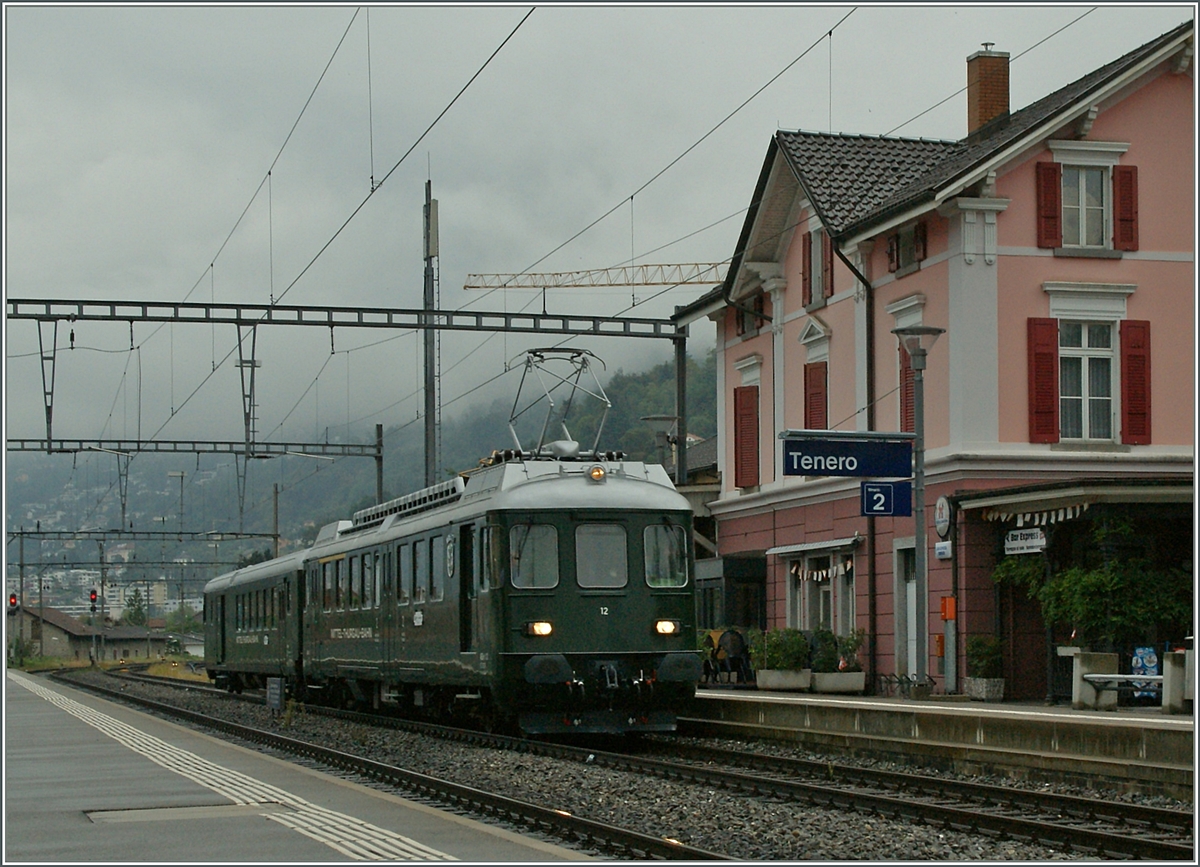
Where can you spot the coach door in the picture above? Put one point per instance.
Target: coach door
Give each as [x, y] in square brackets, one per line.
[468, 594]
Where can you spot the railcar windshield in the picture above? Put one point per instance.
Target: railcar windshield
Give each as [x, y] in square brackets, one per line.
[533, 555]
[600, 558]
[666, 556]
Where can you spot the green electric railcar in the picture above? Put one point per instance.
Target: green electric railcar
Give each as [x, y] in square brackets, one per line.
[553, 594]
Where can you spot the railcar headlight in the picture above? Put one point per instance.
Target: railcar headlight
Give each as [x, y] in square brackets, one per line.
[667, 627]
[597, 473]
[539, 627]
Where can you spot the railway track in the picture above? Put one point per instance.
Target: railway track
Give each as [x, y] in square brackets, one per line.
[1104, 827]
[584, 833]
[1070, 823]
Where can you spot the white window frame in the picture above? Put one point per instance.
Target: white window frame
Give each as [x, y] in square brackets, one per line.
[1091, 304]
[1084, 353]
[1082, 156]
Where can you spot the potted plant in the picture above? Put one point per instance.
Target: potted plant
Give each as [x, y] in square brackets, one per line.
[780, 658]
[836, 667]
[985, 669]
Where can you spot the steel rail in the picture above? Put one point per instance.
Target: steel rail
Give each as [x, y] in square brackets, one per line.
[848, 794]
[578, 830]
[1078, 807]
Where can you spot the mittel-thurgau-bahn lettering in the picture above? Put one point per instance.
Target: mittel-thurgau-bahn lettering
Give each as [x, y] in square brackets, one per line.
[357, 632]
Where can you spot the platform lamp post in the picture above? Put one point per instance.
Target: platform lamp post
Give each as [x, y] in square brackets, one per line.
[662, 425]
[917, 340]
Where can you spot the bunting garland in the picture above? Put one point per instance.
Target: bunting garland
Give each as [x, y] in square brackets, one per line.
[796, 568]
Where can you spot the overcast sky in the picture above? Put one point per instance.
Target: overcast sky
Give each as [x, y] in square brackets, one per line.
[138, 142]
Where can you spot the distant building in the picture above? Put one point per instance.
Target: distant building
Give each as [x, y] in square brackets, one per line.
[55, 634]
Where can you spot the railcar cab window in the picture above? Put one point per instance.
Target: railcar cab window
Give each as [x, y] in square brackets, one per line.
[666, 556]
[533, 556]
[600, 558]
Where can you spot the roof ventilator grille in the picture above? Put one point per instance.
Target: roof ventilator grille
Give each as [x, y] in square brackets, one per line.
[420, 501]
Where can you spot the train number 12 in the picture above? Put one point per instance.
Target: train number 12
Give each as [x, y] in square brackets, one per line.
[603, 610]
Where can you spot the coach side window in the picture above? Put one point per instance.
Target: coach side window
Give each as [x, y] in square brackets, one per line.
[342, 593]
[421, 569]
[437, 571]
[371, 580]
[489, 558]
[329, 578]
[404, 581]
[356, 580]
[533, 556]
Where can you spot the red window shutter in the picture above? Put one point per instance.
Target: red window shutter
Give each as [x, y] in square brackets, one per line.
[1135, 382]
[1125, 208]
[1049, 205]
[745, 436]
[919, 242]
[1043, 380]
[816, 414]
[826, 265]
[893, 253]
[806, 265]
[908, 417]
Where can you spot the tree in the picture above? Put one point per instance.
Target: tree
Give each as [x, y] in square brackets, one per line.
[249, 558]
[135, 609]
[184, 619]
[1112, 596]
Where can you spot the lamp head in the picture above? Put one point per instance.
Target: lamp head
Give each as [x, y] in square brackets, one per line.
[918, 339]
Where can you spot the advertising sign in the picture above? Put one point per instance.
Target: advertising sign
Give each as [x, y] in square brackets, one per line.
[1028, 541]
[1145, 661]
[844, 457]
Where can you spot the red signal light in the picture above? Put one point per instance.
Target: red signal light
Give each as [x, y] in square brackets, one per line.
[93, 597]
[12, 601]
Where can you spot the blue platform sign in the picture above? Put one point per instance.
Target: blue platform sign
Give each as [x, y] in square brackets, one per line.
[887, 498]
[844, 457]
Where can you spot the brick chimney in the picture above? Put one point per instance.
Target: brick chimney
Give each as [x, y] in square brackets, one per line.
[987, 87]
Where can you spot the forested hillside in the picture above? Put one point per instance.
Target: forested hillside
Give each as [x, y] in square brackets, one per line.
[64, 493]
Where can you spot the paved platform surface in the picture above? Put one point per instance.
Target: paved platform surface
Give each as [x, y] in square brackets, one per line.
[1147, 749]
[87, 780]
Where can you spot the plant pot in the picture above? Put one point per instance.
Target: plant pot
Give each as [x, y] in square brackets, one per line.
[786, 679]
[984, 688]
[839, 681]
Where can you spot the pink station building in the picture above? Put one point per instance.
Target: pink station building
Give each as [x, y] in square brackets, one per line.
[1055, 247]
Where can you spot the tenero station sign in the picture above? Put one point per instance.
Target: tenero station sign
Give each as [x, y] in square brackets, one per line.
[867, 454]
[869, 458]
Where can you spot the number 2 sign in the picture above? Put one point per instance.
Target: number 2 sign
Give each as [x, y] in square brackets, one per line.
[886, 498]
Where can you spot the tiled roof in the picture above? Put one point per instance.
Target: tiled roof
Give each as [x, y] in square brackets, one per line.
[62, 620]
[849, 178]
[856, 180]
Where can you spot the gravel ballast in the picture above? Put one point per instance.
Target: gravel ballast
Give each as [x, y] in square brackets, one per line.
[742, 826]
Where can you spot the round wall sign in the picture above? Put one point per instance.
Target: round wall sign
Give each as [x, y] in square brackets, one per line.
[941, 517]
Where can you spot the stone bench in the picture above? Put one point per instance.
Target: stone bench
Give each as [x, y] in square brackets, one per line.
[1095, 682]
